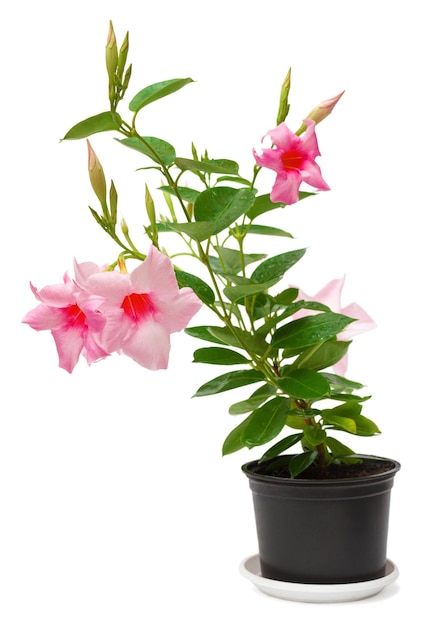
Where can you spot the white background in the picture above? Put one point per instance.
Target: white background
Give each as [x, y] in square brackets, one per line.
[116, 507]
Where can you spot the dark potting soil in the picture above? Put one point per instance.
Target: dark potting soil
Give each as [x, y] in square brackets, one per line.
[367, 467]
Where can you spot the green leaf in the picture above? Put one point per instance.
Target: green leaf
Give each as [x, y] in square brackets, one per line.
[240, 339]
[199, 287]
[337, 448]
[304, 384]
[264, 203]
[346, 409]
[282, 446]
[342, 423]
[222, 206]
[236, 293]
[309, 330]
[254, 401]
[365, 427]
[255, 229]
[195, 230]
[228, 381]
[204, 333]
[274, 268]
[156, 91]
[186, 193]
[287, 296]
[266, 422]
[234, 179]
[233, 441]
[322, 355]
[209, 166]
[230, 260]
[219, 356]
[156, 149]
[315, 436]
[339, 384]
[301, 462]
[96, 124]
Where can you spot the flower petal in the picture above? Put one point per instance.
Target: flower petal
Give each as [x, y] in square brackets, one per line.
[286, 187]
[69, 344]
[148, 345]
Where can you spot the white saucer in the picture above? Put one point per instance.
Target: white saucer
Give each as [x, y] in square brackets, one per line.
[302, 592]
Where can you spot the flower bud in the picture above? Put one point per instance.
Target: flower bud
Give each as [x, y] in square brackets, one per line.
[150, 209]
[111, 52]
[96, 175]
[113, 201]
[321, 111]
[284, 106]
[111, 59]
[122, 57]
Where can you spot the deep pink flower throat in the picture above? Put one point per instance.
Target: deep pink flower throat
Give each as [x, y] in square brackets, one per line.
[292, 160]
[75, 316]
[137, 306]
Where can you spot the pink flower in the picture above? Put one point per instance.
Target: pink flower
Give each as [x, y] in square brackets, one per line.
[293, 158]
[142, 308]
[74, 319]
[330, 296]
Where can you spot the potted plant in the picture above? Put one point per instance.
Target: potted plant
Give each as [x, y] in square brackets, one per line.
[321, 509]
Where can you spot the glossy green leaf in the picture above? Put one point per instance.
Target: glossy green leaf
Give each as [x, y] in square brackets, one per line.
[282, 446]
[186, 193]
[304, 384]
[256, 229]
[309, 330]
[266, 422]
[195, 230]
[233, 441]
[230, 261]
[346, 409]
[156, 149]
[156, 91]
[96, 124]
[315, 436]
[200, 288]
[322, 355]
[287, 296]
[240, 339]
[301, 462]
[236, 293]
[232, 380]
[222, 206]
[365, 427]
[342, 423]
[204, 333]
[337, 448]
[274, 268]
[219, 356]
[264, 203]
[234, 179]
[254, 401]
[341, 385]
[209, 166]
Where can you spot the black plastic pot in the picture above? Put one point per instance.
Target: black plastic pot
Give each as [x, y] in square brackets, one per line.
[322, 531]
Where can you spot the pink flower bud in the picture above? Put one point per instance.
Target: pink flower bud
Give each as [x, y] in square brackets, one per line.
[96, 175]
[322, 110]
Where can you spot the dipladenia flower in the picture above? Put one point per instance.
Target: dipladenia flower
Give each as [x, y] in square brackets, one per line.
[293, 159]
[330, 295]
[142, 308]
[74, 319]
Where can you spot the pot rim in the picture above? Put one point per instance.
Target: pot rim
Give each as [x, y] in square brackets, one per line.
[248, 470]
